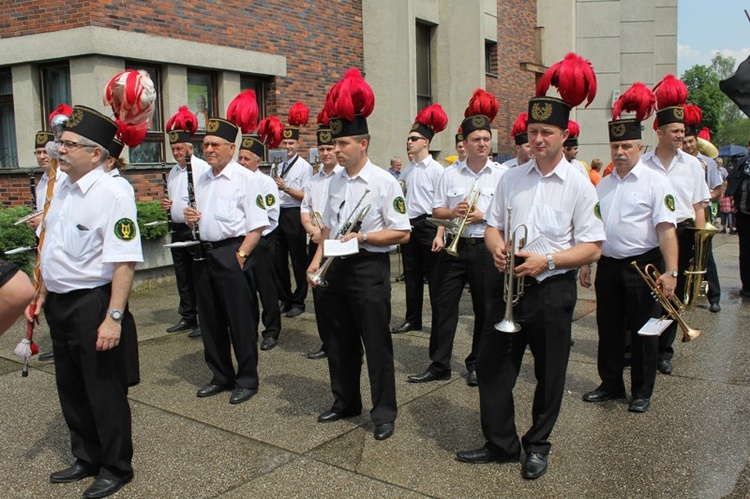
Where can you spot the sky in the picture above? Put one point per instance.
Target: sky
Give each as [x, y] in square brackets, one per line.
[705, 27]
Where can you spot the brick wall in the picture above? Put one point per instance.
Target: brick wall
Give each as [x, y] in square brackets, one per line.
[513, 87]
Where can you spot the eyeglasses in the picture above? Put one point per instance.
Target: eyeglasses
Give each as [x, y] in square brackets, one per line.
[414, 138]
[213, 145]
[69, 144]
[40, 152]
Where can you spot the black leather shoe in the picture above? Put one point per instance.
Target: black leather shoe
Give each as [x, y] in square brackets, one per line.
[76, 472]
[405, 327]
[471, 379]
[294, 312]
[45, 356]
[319, 354]
[600, 395]
[103, 487]
[210, 390]
[383, 431]
[715, 308]
[183, 325]
[428, 376]
[284, 308]
[481, 456]
[240, 395]
[534, 466]
[400, 278]
[195, 333]
[639, 405]
[331, 416]
[268, 343]
[664, 366]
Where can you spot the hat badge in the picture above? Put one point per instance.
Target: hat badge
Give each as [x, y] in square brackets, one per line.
[213, 125]
[618, 130]
[336, 126]
[541, 112]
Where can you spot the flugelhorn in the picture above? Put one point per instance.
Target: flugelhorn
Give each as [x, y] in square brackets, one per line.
[319, 277]
[472, 199]
[512, 286]
[672, 305]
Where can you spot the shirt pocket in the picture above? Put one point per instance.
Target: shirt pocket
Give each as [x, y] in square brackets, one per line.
[553, 223]
[226, 209]
[455, 195]
[78, 242]
[634, 206]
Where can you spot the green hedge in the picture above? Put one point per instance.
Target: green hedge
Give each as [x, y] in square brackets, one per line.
[150, 211]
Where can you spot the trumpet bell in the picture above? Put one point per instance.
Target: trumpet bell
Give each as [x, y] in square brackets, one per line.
[707, 148]
[507, 326]
[318, 279]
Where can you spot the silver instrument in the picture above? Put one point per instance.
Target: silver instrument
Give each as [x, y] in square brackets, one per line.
[512, 286]
[28, 217]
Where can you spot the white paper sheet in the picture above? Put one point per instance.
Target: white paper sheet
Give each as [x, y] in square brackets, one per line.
[334, 247]
[654, 327]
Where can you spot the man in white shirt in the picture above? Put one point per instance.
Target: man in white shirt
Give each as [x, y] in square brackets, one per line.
[570, 148]
[521, 138]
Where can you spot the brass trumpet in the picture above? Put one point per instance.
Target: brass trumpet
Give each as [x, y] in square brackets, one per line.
[472, 199]
[512, 286]
[672, 305]
[319, 277]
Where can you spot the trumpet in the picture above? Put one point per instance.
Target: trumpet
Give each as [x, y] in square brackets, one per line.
[672, 305]
[319, 277]
[512, 286]
[472, 199]
[316, 218]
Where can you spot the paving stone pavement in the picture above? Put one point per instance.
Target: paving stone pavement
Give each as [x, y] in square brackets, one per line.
[694, 442]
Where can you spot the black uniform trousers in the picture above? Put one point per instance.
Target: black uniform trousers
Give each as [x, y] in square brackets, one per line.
[685, 241]
[473, 265]
[355, 308]
[419, 262]
[713, 295]
[623, 305]
[743, 232]
[312, 248]
[228, 313]
[92, 386]
[183, 273]
[290, 241]
[264, 282]
[545, 313]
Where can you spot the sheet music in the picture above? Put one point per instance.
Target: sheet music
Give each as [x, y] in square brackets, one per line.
[539, 245]
[334, 247]
[654, 327]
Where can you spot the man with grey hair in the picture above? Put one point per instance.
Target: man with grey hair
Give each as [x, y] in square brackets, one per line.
[395, 168]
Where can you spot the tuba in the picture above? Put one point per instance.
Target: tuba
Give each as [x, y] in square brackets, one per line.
[672, 305]
[512, 286]
[695, 284]
[472, 199]
[319, 277]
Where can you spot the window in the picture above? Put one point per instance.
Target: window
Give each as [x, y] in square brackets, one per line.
[424, 66]
[151, 150]
[257, 85]
[8, 152]
[55, 82]
[202, 99]
[490, 58]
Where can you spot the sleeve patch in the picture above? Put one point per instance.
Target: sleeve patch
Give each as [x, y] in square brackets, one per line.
[598, 211]
[399, 205]
[125, 229]
[259, 202]
[669, 202]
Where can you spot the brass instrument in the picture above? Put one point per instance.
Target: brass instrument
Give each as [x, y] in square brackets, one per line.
[472, 199]
[512, 286]
[672, 305]
[695, 284]
[316, 218]
[319, 277]
[28, 217]
[274, 173]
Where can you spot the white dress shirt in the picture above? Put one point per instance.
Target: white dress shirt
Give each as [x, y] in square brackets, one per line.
[631, 208]
[316, 191]
[581, 168]
[387, 205]
[456, 183]
[91, 226]
[115, 174]
[713, 176]
[421, 181]
[270, 192]
[688, 180]
[177, 186]
[560, 206]
[295, 177]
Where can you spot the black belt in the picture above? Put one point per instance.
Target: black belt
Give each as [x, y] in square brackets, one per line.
[417, 219]
[471, 241]
[650, 255]
[289, 208]
[219, 244]
[689, 222]
[180, 226]
[530, 282]
[364, 254]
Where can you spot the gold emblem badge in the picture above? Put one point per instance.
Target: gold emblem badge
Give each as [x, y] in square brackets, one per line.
[75, 118]
[541, 112]
[325, 136]
[460, 137]
[213, 125]
[270, 200]
[669, 202]
[259, 202]
[173, 136]
[41, 139]
[247, 143]
[598, 211]
[399, 205]
[679, 113]
[336, 126]
[618, 130]
[414, 126]
[125, 229]
[480, 121]
[287, 133]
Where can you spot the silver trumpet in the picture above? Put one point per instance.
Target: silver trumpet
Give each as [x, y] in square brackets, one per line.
[28, 217]
[512, 286]
[319, 277]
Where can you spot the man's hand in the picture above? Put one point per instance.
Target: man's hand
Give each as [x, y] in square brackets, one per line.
[33, 223]
[314, 267]
[475, 216]
[584, 276]
[241, 261]
[438, 244]
[191, 215]
[316, 235]
[37, 308]
[166, 204]
[280, 183]
[500, 258]
[108, 336]
[533, 265]
[668, 284]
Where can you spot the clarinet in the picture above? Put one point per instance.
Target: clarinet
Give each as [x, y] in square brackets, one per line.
[165, 186]
[199, 255]
[32, 188]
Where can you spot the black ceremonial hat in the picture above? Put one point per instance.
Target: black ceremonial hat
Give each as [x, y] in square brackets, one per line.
[222, 128]
[91, 124]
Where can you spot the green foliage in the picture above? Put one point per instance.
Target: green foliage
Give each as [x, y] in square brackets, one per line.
[703, 91]
[15, 236]
[723, 66]
[735, 132]
[150, 211]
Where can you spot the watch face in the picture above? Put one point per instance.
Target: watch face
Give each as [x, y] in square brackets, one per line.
[116, 315]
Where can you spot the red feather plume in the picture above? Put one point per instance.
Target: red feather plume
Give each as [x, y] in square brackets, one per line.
[670, 92]
[131, 135]
[574, 78]
[638, 99]
[298, 114]
[433, 117]
[271, 131]
[323, 118]
[574, 130]
[520, 125]
[131, 95]
[705, 134]
[693, 115]
[184, 119]
[484, 103]
[61, 110]
[350, 96]
[243, 111]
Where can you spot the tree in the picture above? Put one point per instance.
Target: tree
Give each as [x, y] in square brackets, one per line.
[703, 91]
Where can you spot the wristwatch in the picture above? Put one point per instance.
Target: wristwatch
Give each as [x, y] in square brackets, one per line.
[550, 262]
[364, 238]
[115, 314]
[242, 254]
[286, 190]
[673, 273]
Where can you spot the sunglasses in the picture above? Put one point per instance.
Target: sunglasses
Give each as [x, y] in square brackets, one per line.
[414, 138]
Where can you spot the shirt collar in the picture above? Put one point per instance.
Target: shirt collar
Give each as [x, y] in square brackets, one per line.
[364, 173]
[637, 171]
[228, 171]
[335, 170]
[84, 183]
[561, 169]
[465, 166]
